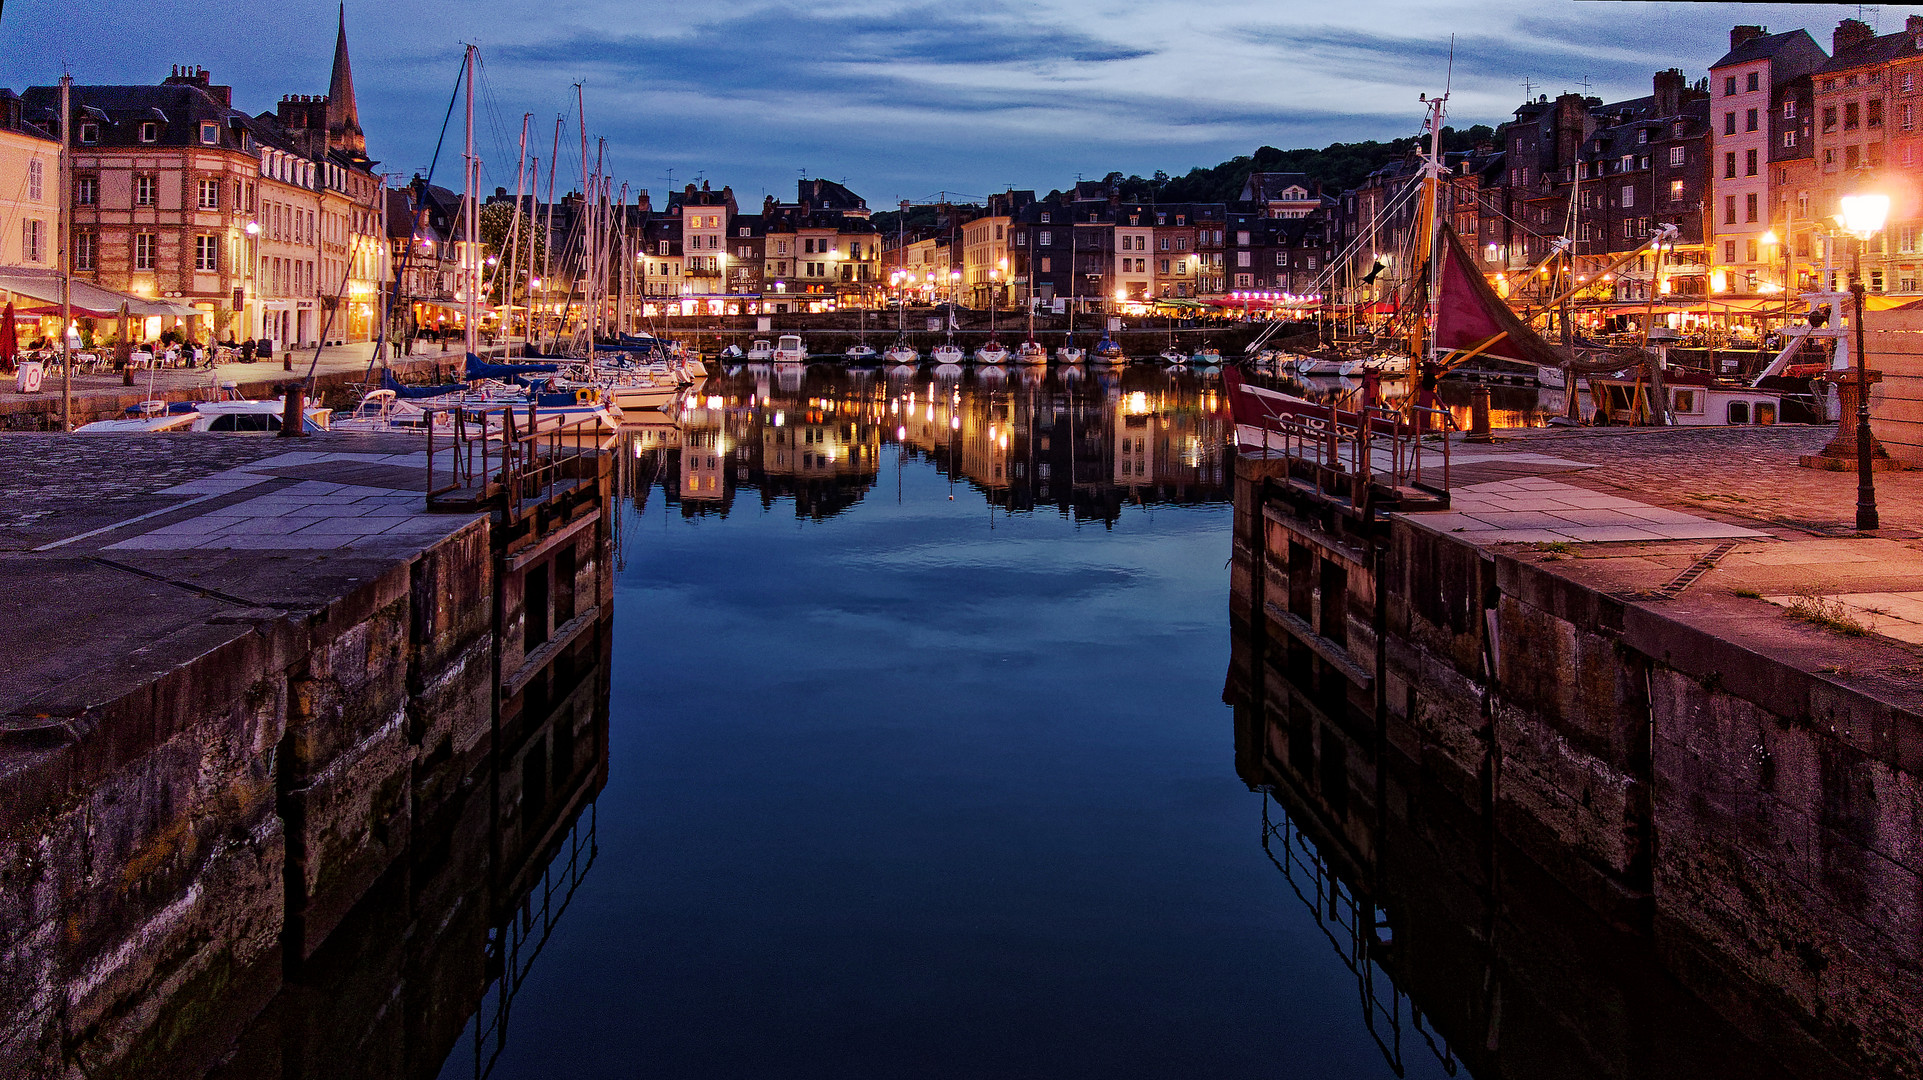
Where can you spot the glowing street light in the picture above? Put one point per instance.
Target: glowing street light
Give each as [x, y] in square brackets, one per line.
[1862, 217]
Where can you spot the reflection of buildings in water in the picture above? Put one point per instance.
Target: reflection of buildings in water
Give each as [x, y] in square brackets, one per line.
[1460, 945]
[1023, 445]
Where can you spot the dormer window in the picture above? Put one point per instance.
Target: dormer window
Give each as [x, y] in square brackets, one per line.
[209, 133]
[149, 131]
[743, 232]
[1642, 136]
[89, 134]
[1180, 219]
[1045, 217]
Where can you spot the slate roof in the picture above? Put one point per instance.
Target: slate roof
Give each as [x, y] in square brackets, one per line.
[1761, 48]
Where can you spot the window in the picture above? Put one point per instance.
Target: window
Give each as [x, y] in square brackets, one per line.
[32, 240]
[1629, 196]
[1729, 251]
[1906, 116]
[1751, 251]
[664, 248]
[89, 134]
[36, 179]
[1852, 155]
[1749, 163]
[1047, 264]
[1729, 123]
[1873, 113]
[209, 132]
[1789, 109]
[1729, 85]
[1642, 136]
[1751, 83]
[743, 232]
[1851, 111]
[1829, 155]
[149, 131]
[206, 253]
[1749, 207]
[1182, 242]
[1789, 140]
[210, 194]
[1729, 164]
[144, 189]
[1281, 258]
[1244, 281]
[1241, 258]
[1749, 120]
[1675, 191]
[1729, 216]
[1163, 242]
[143, 251]
[1678, 155]
[83, 251]
[1164, 266]
[1045, 217]
[1046, 238]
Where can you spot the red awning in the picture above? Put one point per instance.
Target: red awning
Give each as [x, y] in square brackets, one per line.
[53, 311]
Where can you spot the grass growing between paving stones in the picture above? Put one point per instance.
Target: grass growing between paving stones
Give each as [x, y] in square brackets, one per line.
[1824, 612]
[1748, 594]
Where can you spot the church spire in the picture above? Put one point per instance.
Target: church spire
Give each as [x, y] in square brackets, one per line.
[343, 115]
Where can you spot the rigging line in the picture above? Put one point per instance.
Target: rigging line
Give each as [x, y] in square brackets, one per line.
[407, 256]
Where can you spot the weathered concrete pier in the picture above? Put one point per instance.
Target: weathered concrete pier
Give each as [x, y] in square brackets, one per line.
[1650, 671]
[257, 691]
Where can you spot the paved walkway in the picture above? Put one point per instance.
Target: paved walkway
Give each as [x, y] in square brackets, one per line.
[194, 540]
[1540, 510]
[348, 360]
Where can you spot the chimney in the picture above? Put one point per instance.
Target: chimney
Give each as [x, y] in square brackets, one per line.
[1739, 35]
[1913, 25]
[1849, 34]
[1669, 92]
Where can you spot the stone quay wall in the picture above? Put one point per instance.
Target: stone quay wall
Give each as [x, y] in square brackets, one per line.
[1759, 823]
[173, 860]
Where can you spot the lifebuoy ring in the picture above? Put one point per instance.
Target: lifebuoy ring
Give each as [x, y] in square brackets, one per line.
[584, 395]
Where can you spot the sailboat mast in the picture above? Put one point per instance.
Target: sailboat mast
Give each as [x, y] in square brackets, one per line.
[471, 223]
[513, 234]
[547, 249]
[587, 230]
[623, 260]
[1421, 340]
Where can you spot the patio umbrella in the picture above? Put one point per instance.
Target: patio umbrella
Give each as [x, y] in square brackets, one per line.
[9, 337]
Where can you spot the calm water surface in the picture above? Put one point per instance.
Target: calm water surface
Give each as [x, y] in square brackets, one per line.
[919, 764]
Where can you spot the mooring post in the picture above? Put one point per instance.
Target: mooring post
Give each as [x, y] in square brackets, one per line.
[1479, 416]
[292, 422]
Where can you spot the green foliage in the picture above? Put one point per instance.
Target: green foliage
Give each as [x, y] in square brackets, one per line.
[496, 220]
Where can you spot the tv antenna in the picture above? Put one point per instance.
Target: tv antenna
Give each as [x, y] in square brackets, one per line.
[1528, 88]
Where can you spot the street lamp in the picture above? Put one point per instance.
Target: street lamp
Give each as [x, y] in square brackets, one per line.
[1863, 217]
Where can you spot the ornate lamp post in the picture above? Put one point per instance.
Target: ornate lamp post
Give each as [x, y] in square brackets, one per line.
[1863, 217]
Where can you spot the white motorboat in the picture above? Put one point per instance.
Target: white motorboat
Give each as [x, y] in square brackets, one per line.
[1174, 356]
[1315, 365]
[862, 354]
[789, 350]
[760, 349]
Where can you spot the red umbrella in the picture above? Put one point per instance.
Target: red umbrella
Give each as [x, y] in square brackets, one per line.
[9, 337]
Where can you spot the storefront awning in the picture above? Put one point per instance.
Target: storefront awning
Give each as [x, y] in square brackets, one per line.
[89, 300]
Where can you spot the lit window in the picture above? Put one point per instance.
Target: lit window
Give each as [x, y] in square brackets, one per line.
[143, 251]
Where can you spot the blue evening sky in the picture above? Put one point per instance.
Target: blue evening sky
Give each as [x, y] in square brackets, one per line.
[900, 99]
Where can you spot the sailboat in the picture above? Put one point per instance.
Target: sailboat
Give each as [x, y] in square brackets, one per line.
[1031, 351]
[1069, 353]
[993, 352]
[901, 353]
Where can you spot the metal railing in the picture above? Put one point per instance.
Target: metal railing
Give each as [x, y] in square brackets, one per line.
[1378, 444]
[500, 451]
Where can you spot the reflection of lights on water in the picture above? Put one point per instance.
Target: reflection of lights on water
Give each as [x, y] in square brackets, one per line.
[1138, 402]
[955, 422]
[931, 414]
[1004, 442]
[779, 418]
[714, 402]
[637, 449]
[901, 433]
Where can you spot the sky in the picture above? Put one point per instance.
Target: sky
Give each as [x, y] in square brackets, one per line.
[900, 100]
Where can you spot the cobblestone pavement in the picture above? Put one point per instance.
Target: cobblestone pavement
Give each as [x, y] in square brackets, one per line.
[1742, 474]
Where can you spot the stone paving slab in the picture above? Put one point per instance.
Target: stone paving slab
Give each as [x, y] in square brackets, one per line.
[160, 547]
[1891, 615]
[1541, 510]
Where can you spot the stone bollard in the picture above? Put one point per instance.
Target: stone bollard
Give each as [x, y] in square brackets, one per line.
[1479, 416]
[292, 419]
